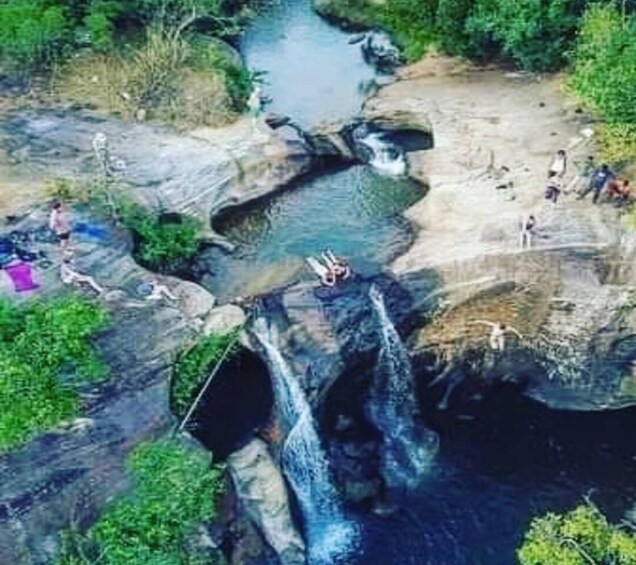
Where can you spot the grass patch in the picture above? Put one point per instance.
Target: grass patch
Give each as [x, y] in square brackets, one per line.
[175, 488]
[45, 352]
[193, 366]
[186, 81]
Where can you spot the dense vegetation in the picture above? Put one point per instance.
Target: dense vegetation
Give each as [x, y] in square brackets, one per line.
[595, 39]
[159, 56]
[175, 488]
[193, 366]
[163, 242]
[604, 77]
[45, 353]
[581, 537]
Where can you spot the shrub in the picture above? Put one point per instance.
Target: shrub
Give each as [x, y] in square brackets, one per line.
[32, 35]
[580, 537]
[44, 352]
[411, 23]
[193, 366]
[164, 242]
[175, 490]
[605, 64]
[534, 33]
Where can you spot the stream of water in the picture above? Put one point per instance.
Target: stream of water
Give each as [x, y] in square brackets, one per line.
[408, 446]
[330, 536]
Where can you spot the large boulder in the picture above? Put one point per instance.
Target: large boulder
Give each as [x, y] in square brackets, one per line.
[261, 490]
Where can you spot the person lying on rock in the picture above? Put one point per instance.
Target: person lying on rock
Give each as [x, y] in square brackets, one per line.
[338, 267]
[69, 275]
[497, 338]
[325, 274]
[154, 290]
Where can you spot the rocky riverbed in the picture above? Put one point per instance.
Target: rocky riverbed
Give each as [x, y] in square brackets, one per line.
[570, 295]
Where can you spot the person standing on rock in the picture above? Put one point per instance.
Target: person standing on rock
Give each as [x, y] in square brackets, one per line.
[526, 231]
[559, 164]
[600, 178]
[553, 188]
[497, 338]
[60, 224]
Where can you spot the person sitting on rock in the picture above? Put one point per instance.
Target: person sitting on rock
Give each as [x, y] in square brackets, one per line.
[553, 188]
[618, 190]
[69, 275]
[338, 267]
[497, 338]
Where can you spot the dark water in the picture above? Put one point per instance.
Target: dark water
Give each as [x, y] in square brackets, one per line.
[493, 474]
[355, 212]
[312, 73]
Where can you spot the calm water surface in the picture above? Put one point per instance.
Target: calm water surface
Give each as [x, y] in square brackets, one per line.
[312, 73]
[355, 212]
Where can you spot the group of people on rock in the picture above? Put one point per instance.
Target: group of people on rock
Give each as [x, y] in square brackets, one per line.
[329, 269]
[60, 224]
[600, 180]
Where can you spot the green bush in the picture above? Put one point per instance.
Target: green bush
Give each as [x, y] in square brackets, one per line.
[605, 64]
[535, 33]
[580, 537]
[411, 23]
[44, 352]
[175, 491]
[163, 243]
[193, 366]
[32, 35]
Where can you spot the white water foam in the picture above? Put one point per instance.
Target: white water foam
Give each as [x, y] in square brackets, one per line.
[387, 158]
[408, 447]
[330, 536]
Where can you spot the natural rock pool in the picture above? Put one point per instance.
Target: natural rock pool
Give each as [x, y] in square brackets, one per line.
[355, 212]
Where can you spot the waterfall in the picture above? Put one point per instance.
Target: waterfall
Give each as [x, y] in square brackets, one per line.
[329, 534]
[408, 447]
[386, 157]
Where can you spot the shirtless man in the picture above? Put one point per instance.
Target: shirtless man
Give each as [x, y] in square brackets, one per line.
[497, 338]
[60, 224]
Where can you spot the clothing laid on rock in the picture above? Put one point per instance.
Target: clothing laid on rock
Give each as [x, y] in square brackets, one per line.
[21, 275]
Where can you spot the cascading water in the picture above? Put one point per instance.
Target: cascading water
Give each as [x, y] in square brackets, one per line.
[408, 447]
[331, 537]
[387, 157]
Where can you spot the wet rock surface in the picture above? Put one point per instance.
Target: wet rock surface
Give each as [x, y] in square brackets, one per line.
[569, 294]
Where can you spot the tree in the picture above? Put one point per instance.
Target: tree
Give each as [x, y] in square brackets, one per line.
[581, 537]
